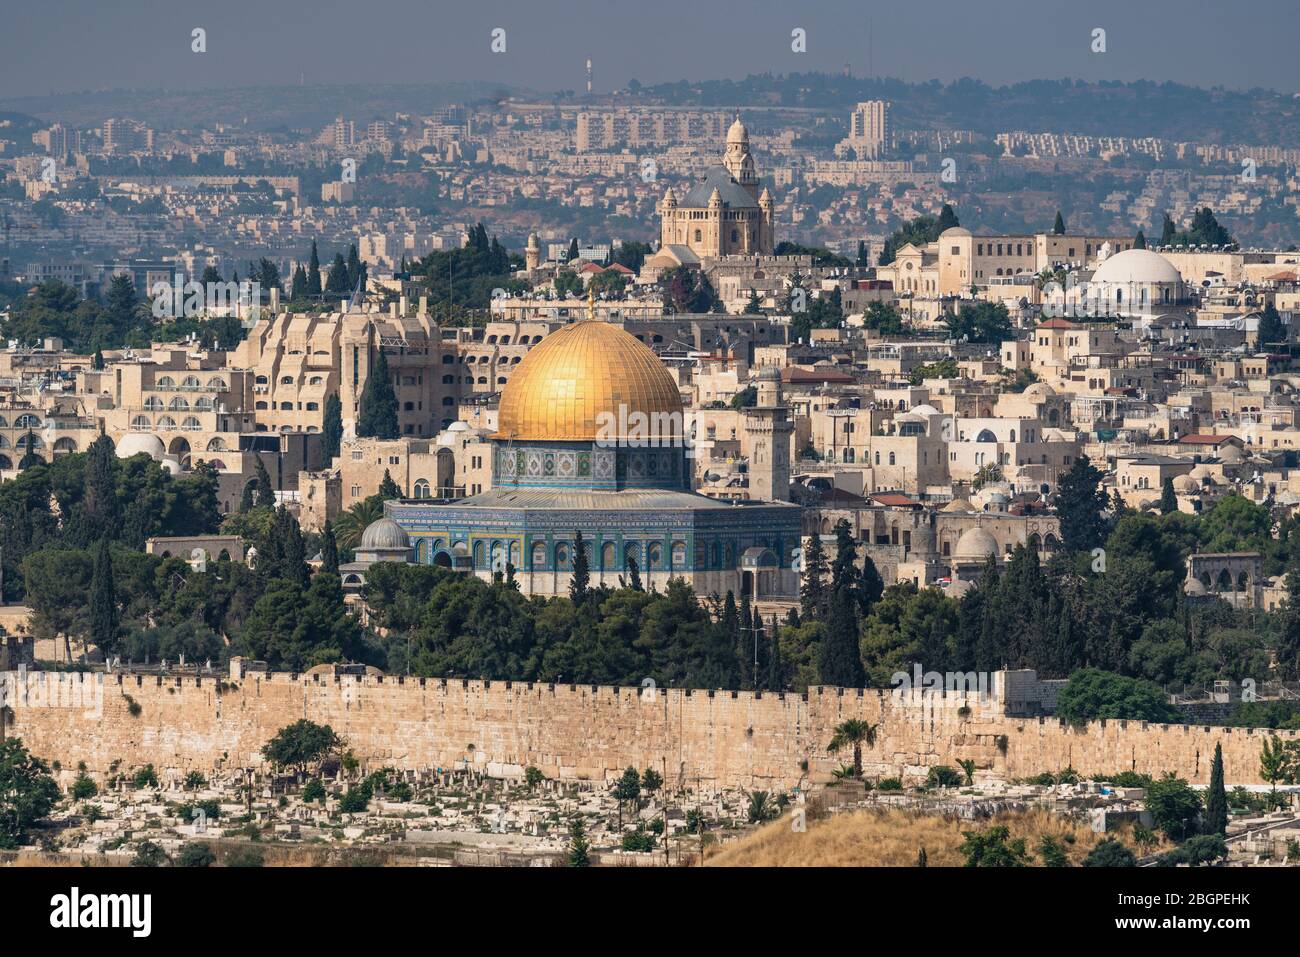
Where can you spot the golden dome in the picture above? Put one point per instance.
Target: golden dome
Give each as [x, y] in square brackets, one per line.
[580, 371]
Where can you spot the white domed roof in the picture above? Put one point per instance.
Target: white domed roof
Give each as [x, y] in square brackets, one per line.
[955, 232]
[133, 443]
[172, 465]
[975, 544]
[1136, 265]
[925, 409]
[384, 533]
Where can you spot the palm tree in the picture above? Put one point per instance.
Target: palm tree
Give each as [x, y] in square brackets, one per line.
[349, 526]
[968, 766]
[854, 731]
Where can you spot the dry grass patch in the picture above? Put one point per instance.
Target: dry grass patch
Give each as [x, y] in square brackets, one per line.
[893, 838]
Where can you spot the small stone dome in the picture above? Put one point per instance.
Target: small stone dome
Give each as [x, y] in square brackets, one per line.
[1185, 483]
[384, 533]
[1040, 390]
[1232, 455]
[133, 443]
[975, 545]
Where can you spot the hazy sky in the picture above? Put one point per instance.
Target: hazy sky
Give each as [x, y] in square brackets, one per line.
[58, 46]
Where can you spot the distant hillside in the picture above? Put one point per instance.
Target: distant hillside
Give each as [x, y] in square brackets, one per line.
[260, 107]
[18, 127]
[1166, 110]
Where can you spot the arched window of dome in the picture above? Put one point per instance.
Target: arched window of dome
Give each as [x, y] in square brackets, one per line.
[654, 556]
[631, 553]
[679, 555]
[561, 555]
[539, 555]
[480, 554]
[608, 557]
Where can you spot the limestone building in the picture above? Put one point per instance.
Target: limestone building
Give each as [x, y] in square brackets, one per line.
[726, 213]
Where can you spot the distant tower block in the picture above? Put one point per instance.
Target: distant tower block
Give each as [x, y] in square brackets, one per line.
[588, 74]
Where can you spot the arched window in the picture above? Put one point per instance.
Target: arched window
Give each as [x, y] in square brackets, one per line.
[153, 403]
[421, 488]
[631, 553]
[286, 380]
[218, 383]
[203, 404]
[179, 404]
[6, 462]
[479, 554]
[166, 382]
[190, 382]
[561, 555]
[679, 555]
[65, 444]
[191, 424]
[539, 555]
[608, 557]
[891, 458]
[27, 421]
[140, 423]
[654, 556]
[166, 422]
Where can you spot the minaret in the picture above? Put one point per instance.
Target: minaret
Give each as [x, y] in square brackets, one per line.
[768, 428]
[767, 242]
[533, 252]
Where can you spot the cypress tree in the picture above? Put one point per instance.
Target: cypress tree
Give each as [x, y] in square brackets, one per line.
[844, 571]
[870, 586]
[1079, 502]
[633, 575]
[1058, 227]
[103, 601]
[1168, 500]
[331, 438]
[578, 584]
[1140, 240]
[1216, 798]
[354, 267]
[313, 272]
[990, 651]
[839, 657]
[775, 666]
[745, 645]
[298, 289]
[329, 550]
[378, 416]
[388, 489]
[101, 486]
[730, 619]
[813, 597]
[30, 457]
[246, 500]
[265, 490]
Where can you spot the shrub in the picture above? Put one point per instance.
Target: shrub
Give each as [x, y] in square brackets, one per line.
[1052, 852]
[638, 840]
[1109, 853]
[83, 787]
[149, 854]
[1197, 850]
[1174, 805]
[313, 790]
[889, 784]
[993, 847]
[942, 776]
[195, 854]
[246, 857]
[144, 777]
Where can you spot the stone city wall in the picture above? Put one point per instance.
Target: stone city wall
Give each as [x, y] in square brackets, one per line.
[694, 738]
